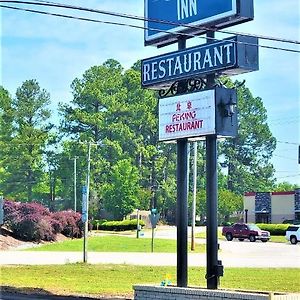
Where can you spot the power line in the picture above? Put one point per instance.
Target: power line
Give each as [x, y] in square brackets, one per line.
[288, 118]
[135, 17]
[282, 123]
[289, 143]
[136, 26]
[289, 158]
[288, 176]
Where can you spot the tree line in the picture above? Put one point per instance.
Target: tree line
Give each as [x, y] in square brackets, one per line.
[130, 169]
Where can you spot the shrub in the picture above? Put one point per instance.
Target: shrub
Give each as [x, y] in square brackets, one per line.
[275, 229]
[11, 213]
[68, 223]
[227, 223]
[28, 221]
[96, 223]
[33, 208]
[33, 228]
[34, 222]
[121, 225]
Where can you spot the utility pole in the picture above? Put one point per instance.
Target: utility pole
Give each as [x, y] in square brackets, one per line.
[194, 197]
[75, 194]
[86, 223]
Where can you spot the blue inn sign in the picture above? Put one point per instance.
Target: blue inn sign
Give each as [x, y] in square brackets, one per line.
[166, 18]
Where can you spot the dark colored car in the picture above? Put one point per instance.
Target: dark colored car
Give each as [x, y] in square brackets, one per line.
[243, 231]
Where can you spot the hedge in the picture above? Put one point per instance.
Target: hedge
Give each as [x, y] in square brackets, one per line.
[274, 229]
[120, 225]
[96, 223]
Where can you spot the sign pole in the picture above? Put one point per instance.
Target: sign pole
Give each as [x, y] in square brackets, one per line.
[137, 223]
[194, 197]
[75, 185]
[152, 240]
[182, 206]
[86, 222]
[211, 197]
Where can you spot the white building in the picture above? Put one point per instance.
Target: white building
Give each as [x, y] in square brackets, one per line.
[272, 207]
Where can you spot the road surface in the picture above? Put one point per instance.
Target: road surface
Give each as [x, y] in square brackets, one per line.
[232, 254]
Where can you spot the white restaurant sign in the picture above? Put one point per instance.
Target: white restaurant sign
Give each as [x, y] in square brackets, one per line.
[187, 116]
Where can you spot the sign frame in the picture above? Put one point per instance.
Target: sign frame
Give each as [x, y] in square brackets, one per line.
[197, 115]
[184, 122]
[243, 58]
[164, 30]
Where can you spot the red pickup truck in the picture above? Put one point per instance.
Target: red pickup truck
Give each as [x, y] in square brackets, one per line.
[243, 231]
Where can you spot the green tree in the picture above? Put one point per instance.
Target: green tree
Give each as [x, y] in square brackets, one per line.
[111, 109]
[248, 155]
[6, 130]
[228, 203]
[121, 193]
[285, 187]
[28, 138]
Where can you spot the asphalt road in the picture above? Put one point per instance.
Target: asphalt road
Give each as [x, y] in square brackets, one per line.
[232, 254]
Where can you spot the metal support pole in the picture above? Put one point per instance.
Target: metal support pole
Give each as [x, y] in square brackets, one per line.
[86, 223]
[182, 203]
[75, 194]
[152, 240]
[182, 207]
[211, 199]
[137, 223]
[194, 197]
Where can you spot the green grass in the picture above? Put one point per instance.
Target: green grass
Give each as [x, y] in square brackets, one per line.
[113, 243]
[202, 235]
[118, 279]
[278, 239]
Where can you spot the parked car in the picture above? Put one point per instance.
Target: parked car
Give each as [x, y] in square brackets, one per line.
[292, 234]
[243, 231]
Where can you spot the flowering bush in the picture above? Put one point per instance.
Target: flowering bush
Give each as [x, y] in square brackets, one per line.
[34, 222]
[11, 213]
[70, 223]
[33, 228]
[33, 208]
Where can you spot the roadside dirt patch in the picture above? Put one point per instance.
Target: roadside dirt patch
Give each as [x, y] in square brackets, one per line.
[8, 242]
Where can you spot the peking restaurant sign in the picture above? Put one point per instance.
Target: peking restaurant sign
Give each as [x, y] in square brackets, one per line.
[232, 56]
[187, 116]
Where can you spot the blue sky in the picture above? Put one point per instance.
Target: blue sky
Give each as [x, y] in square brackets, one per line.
[55, 51]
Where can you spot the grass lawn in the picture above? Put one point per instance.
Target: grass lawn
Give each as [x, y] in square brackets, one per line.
[278, 239]
[114, 243]
[118, 279]
[202, 235]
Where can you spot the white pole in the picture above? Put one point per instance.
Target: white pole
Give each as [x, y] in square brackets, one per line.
[87, 205]
[75, 194]
[194, 196]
